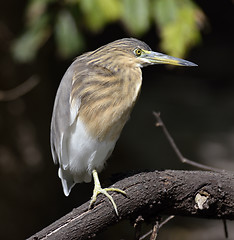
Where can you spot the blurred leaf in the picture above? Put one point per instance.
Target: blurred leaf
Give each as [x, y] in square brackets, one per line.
[35, 9]
[100, 12]
[69, 39]
[179, 36]
[70, 1]
[136, 15]
[24, 49]
[164, 11]
[111, 9]
[177, 21]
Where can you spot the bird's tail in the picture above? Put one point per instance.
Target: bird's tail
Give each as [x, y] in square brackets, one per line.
[67, 180]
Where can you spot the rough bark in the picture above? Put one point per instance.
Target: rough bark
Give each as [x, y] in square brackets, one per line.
[185, 193]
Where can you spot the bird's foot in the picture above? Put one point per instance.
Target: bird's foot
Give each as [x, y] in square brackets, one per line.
[105, 191]
[98, 189]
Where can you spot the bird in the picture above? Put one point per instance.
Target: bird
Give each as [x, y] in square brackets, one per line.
[93, 102]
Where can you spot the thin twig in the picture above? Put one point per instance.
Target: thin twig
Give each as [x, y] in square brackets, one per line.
[166, 221]
[146, 235]
[176, 149]
[138, 226]
[157, 229]
[20, 90]
[225, 228]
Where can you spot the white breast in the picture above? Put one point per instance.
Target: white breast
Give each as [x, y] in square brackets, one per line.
[84, 153]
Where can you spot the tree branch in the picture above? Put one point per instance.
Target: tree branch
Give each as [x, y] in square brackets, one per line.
[185, 193]
[176, 149]
[20, 90]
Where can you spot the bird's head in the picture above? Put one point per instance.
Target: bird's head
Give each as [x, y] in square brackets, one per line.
[130, 52]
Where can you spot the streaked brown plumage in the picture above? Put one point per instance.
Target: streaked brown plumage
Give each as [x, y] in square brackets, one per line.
[92, 105]
[108, 90]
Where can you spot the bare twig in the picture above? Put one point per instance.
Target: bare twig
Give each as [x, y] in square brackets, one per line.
[138, 226]
[176, 149]
[225, 228]
[20, 90]
[156, 228]
[166, 221]
[155, 231]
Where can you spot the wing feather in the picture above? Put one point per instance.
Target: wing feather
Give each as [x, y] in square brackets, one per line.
[64, 115]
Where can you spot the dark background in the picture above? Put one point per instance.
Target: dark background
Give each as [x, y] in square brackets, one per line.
[196, 104]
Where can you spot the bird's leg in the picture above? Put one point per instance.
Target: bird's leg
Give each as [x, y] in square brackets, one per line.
[98, 189]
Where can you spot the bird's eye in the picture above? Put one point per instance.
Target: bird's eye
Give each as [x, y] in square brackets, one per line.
[138, 52]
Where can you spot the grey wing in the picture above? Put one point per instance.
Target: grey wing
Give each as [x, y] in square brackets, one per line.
[61, 116]
[60, 125]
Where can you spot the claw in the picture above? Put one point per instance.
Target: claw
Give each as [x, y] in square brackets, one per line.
[98, 189]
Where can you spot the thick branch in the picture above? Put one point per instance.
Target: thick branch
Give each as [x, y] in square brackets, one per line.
[186, 193]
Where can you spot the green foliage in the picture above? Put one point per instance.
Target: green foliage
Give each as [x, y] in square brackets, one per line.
[68, 37]
[177, 21]
[98, 13]
[37, 31]
[27, 45]
[136, 16]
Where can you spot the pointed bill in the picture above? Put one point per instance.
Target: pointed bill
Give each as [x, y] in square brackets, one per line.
[151, 57]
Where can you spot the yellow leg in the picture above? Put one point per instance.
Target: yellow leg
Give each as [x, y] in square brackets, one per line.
[98, 189]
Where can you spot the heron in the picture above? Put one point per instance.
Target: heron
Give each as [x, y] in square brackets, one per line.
[94, 100]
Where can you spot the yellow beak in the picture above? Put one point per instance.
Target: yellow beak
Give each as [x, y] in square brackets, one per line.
[151, 57]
